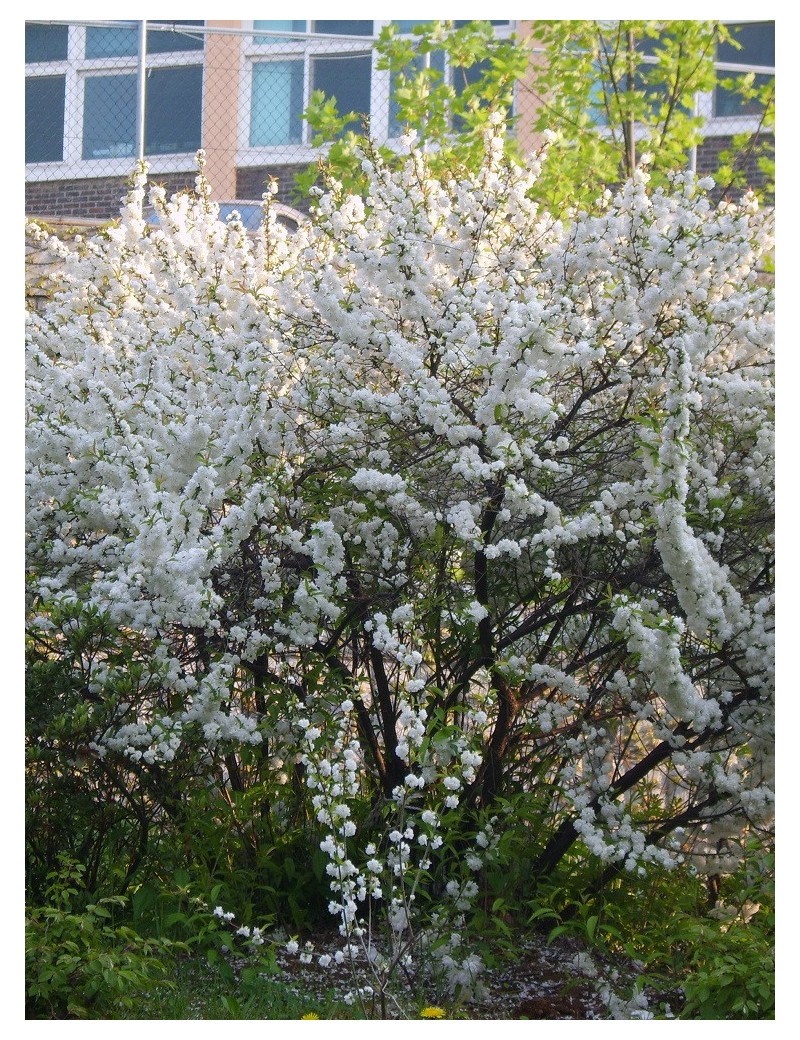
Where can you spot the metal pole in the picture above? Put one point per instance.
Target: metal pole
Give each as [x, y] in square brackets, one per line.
[629, 130]
[693, 149]
[427, 66]
[141, 89]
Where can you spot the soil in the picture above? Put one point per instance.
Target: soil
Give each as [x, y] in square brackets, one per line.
[540, 982]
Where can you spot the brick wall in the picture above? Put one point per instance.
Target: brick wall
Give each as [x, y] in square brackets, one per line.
[251, 183]
[708, 159]
[99, 198]
[91, 199]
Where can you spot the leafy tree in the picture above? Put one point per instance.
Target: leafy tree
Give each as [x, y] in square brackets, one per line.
[612, 92]
[616, 90]
[436, 462]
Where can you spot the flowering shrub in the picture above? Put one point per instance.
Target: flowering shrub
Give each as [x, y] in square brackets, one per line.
[384, 898]
[435, 453]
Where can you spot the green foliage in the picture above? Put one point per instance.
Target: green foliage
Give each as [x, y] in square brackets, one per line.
[719, 955]
[181, 912]
[246, 847]
[99, 808]
[448, 113]
[612, 91]
[136, 826]
[203, 991]
[755, 151]
[728, 971]
[73, 795]
[609, 106]
[78, 962]
[726, 960]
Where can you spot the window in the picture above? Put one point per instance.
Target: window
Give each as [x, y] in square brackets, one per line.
[286, 60]
[172, 113]
[161, 41]
[284, 71]
[348, 79]
[287, 25]
[277, 103]
[104, 42]
[461, 78]
[353, 28]
[81, 95]
[757, 48]
[173, 96]
[109, 117]
[111, 43]
[44, 119]
[46, 48]
[45, 43]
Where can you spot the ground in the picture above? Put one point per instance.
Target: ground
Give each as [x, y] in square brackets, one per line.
[540, 982]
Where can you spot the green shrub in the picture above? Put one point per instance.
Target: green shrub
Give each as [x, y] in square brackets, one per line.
[78, 963]
[717, 961]
[730, 971]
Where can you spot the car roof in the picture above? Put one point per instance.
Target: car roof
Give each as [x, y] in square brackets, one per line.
[251, 212]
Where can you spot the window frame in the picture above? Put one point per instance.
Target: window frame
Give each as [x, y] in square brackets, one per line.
[737, 123]
[77, 70]
[306, 46]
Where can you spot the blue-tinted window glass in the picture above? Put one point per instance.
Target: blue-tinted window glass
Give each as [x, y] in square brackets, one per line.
[109, 116]
[173, 112]
[757, 41]
[348, 79]
[276, 103]
[344, 28]
[159, 42]
[46, 42]
[436, 59]
[464, 76]
[44, 119]
[112, 43]
[410, 25]
[459, 25]
[284, 25]
[104, 42]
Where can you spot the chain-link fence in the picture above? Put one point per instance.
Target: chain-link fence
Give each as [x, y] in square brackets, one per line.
[100, 94]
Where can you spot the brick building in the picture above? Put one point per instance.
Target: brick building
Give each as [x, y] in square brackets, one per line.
[98, 93]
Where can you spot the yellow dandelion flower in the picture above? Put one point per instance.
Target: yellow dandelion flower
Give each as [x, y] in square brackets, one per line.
[310, 1015]
[432, 1012]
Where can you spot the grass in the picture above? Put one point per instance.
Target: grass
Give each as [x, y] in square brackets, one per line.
[202, 991]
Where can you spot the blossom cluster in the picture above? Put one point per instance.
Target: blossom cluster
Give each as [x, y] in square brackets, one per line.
[382, 884]
[438, 445]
